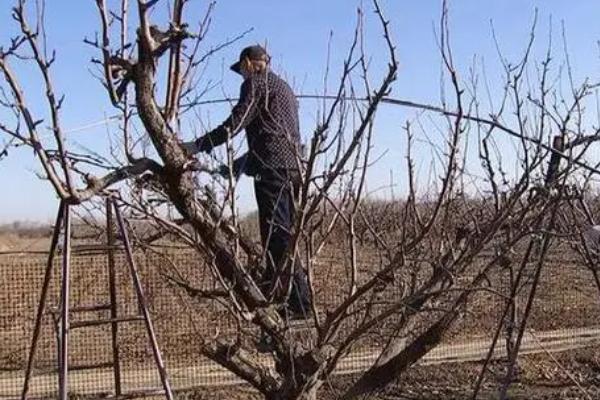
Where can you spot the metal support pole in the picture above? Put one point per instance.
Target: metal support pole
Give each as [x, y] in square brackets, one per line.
[541, 247]
[142, 302]
[63, 360]
[112, 287]
[43, 296]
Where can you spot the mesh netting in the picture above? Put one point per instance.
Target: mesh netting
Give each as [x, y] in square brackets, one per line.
[564, 317]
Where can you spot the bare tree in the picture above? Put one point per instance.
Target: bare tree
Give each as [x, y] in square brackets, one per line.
[428, 269]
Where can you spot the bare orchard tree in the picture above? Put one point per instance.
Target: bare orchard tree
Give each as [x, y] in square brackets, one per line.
[424, 274]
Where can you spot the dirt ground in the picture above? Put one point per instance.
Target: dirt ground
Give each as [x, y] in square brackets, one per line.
[573, 375]
[567, 298]
[15, 242]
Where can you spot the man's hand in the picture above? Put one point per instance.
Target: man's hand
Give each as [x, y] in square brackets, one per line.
[223, 170]
[202, 144]
[239, 167]
[191, 148]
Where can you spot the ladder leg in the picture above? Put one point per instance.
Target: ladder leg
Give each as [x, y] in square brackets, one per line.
[142, 302]
[110, 238]
[63, 359]
[42, 301]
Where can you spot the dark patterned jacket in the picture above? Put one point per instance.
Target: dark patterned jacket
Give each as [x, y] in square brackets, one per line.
[268, 110]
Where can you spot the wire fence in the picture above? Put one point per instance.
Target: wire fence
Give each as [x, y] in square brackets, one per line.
[564, 317]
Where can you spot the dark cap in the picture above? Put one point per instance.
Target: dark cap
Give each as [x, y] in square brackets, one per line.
[254, 53]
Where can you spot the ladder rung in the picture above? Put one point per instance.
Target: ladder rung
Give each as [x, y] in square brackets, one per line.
[98, 307]
[83, 367]
[136, 394]
[83, 324]
[96, 247]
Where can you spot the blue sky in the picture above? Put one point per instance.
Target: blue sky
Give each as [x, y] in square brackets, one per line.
[296, 33]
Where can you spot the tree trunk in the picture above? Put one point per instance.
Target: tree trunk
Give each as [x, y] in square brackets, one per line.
[312, 395]
[308, 394]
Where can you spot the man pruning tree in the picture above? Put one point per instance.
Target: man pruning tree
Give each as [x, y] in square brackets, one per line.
[268, 110]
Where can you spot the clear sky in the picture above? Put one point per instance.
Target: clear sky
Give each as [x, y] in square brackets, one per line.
[296, 33]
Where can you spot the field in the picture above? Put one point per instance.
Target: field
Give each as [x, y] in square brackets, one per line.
[567, 300]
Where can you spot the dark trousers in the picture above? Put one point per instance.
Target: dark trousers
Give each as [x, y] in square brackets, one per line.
[275, 192]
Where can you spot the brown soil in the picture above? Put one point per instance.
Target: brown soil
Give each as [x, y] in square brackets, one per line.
[574, 375]
[567, 298]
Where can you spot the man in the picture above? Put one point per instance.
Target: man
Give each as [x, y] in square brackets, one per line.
[268, 110]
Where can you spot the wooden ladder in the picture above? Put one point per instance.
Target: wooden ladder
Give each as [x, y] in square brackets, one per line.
[63, 312]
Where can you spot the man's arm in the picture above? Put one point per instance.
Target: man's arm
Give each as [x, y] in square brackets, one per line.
[241, 115]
